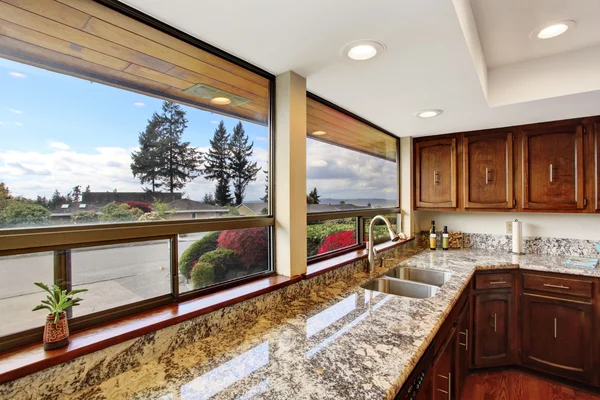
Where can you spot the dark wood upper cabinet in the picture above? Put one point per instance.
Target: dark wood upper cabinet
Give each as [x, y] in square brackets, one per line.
[488, 170]
[557, 336]
[492, 320]
[435, 169]
[552, 168]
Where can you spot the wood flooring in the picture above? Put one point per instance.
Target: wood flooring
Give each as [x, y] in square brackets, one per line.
[516, 385]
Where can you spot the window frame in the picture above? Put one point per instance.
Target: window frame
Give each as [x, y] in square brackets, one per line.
[360, 213]
[61, 239]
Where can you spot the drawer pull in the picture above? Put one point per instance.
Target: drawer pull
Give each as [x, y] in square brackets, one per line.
[497, 282]
[554, 328]
[556, 286]
[466, 343]
[495, 322]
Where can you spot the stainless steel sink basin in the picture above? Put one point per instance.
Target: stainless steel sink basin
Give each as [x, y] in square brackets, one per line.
[402, 288]
[428, 276]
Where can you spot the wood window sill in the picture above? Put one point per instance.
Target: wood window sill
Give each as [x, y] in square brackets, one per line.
[321, 267]
[30, 359]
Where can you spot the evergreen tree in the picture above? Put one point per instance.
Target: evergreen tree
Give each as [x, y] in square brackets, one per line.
[5, 196]
[313, 197]
[57, 200]
[76, 193]
[181, 162]
[146, 161]
[209, 199]
[265, 198]
[163, 159]
[216, 164]
[242, 171]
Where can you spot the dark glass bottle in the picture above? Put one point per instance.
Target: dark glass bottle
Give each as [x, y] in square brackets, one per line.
[445, 239]
[432, 237]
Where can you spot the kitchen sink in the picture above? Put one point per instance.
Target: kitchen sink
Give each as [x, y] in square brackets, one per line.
[428, 276]
[401, 288]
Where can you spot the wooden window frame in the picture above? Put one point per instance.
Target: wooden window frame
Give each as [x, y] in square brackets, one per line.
[61, 239]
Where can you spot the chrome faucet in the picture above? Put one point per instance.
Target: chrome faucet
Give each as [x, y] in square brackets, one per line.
[371, 245]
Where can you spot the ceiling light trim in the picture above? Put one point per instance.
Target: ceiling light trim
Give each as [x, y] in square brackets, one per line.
[429, 113]
[568, 23]
[354, 46]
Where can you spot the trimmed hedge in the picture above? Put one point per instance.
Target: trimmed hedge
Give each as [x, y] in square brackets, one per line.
[222, 261]
[337, 241]
[203, 274]
[250, 244]
[195, 251]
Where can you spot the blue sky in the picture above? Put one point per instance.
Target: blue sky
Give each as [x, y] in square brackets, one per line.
[57, 131]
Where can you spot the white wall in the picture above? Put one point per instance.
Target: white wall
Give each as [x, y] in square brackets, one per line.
[573, 226]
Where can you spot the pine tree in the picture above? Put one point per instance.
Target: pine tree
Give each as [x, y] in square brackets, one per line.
[163, 159]
[242, 170]
[265, 198]
[146, 161]
[313, 197]
[76, 193]
[181, 163]
[209, 199]
[216, 164]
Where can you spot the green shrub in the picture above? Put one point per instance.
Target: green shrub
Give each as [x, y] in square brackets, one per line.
[151, 216]
[203, 275]
[195, 251]
[84, 217]
[113, 212]
[222, 261]
[18, 213]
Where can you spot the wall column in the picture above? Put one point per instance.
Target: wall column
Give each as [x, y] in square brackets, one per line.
[290, 175]
[406, 185]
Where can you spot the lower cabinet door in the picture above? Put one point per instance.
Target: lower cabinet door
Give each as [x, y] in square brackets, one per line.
[426, 392]
[463, 349]
[493, 325]
[443, 370]
[557, 336]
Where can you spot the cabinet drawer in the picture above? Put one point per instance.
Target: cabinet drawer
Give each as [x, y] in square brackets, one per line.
[551, 284]
[494, 281]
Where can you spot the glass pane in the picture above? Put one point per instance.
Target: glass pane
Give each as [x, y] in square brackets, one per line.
[18, 294]
[154, 159]
[346, 179]
[120, 274]
[380, 231]
[326, 236]
[209, 258]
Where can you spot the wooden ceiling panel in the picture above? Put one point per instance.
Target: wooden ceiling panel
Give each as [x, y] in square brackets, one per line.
[347, 132]
[115, 49]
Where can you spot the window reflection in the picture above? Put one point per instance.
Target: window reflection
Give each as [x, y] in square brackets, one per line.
[322, 320]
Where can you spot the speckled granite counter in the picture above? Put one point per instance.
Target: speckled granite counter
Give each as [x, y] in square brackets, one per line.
[331, 341]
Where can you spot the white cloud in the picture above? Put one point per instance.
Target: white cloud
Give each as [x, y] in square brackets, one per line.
[139, 104]
[17, 75]
[59, 145]
[1, 123]
[214, 122]
[18, 124]
[262, 139]
[12, 110]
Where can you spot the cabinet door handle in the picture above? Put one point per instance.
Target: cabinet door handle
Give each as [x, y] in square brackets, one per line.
[449, 386]
[556, 286]
[436, 177]
[497, 282]
[551, 168]
[466, 343]
[487, 179]
[494, 322]
[554, 328]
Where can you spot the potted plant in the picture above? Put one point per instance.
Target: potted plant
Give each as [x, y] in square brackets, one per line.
[56, 330]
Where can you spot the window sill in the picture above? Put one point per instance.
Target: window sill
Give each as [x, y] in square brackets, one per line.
[321, 267]
[30, 359]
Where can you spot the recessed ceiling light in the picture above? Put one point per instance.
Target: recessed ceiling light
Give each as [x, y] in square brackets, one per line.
[429, 113]
[552, 30]
[362, 50]
[221, 101]
[319, 133]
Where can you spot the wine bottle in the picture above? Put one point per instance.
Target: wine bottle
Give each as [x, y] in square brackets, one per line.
[445, 239]
[432, 237]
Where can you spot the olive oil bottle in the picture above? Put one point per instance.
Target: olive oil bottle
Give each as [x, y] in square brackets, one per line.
[432, 237]
[445, 239]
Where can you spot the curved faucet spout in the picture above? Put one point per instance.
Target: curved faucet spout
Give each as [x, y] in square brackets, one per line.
[371, 245]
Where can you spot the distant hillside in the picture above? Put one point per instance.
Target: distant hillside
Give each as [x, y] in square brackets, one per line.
[361, 202]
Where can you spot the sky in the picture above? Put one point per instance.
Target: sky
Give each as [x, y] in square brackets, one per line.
[58, 131]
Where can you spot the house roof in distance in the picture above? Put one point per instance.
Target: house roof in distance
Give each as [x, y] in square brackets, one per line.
[195, 206]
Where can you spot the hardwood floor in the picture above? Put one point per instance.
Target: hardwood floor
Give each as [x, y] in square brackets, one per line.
[516, 385]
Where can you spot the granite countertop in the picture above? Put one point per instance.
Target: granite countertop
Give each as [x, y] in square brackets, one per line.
[336, 342]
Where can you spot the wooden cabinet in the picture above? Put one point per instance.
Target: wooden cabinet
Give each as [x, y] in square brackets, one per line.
[492, 324]
[552, 168]
[426, 391]
[463, 349]
[557, 336]
[443, 369]
[488, 170]
[435, 169]
[596, 142]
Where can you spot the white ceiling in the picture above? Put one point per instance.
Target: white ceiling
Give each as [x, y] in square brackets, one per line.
[428, 63]
[504, 27]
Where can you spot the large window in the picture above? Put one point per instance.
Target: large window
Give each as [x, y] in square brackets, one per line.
[132, 163]
[352, 175]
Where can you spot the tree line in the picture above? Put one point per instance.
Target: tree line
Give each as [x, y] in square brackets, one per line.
[165, 162]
